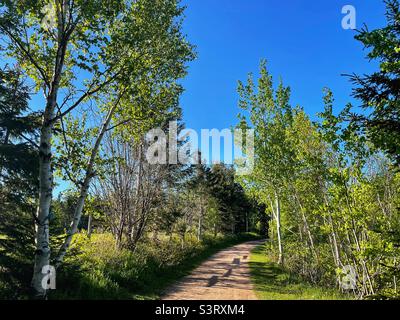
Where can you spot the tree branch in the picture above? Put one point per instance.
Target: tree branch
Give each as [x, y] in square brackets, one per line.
[27, 53]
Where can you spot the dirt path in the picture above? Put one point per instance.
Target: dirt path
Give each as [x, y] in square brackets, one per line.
[225, 276]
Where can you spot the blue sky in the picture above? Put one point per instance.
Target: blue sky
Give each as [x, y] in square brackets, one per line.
[302, 40]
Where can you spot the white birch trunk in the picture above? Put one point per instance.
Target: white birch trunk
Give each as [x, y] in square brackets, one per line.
[90, 226]
[278, 228]
[42, 246]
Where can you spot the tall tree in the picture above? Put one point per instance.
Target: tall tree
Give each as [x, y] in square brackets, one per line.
[18, 182]
[379, 92]
[269, 113]
[129, 53]
[18, 134]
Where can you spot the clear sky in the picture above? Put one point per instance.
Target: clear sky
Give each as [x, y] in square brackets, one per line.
[302, 40]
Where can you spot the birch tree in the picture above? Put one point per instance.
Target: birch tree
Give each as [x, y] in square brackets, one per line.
[75, 51]
[268, 112]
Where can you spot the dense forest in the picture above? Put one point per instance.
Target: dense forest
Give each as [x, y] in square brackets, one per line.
[80, 89]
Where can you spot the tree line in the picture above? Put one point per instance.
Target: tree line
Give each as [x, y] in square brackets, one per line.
[331, 186]
[326, 192]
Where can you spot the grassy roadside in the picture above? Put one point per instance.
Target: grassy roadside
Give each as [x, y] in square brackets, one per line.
[175, 273]
[99, 271]
[271, 282]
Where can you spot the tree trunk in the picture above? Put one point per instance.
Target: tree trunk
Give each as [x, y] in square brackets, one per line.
[89, 228]
[200, 226]
[85, 188]
[306, 226]
[138, 209]
[75, 222]
[42, 241]
[335, 242]
[42, 252]
[278, 229]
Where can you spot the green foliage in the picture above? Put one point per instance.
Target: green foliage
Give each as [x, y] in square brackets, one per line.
[327, 187]
[18, 184]
[268, 112]
[234, 208]
[338, 194]
[228, 208]
[96, 269]
[272, 282]
[379, 92]
[123, 58]
[18, 133]
[16, 247]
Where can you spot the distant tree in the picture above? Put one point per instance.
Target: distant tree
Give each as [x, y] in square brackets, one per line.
[233, 205]
[199, 185]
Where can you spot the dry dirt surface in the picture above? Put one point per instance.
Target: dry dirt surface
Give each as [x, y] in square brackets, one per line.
[225, 276]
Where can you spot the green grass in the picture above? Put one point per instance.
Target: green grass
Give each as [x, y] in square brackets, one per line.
[271, 282]
[99, 271]
[170, 275]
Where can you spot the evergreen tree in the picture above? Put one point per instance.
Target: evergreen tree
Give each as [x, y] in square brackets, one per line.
[18, 152]
[379, 92]
[18, 183]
